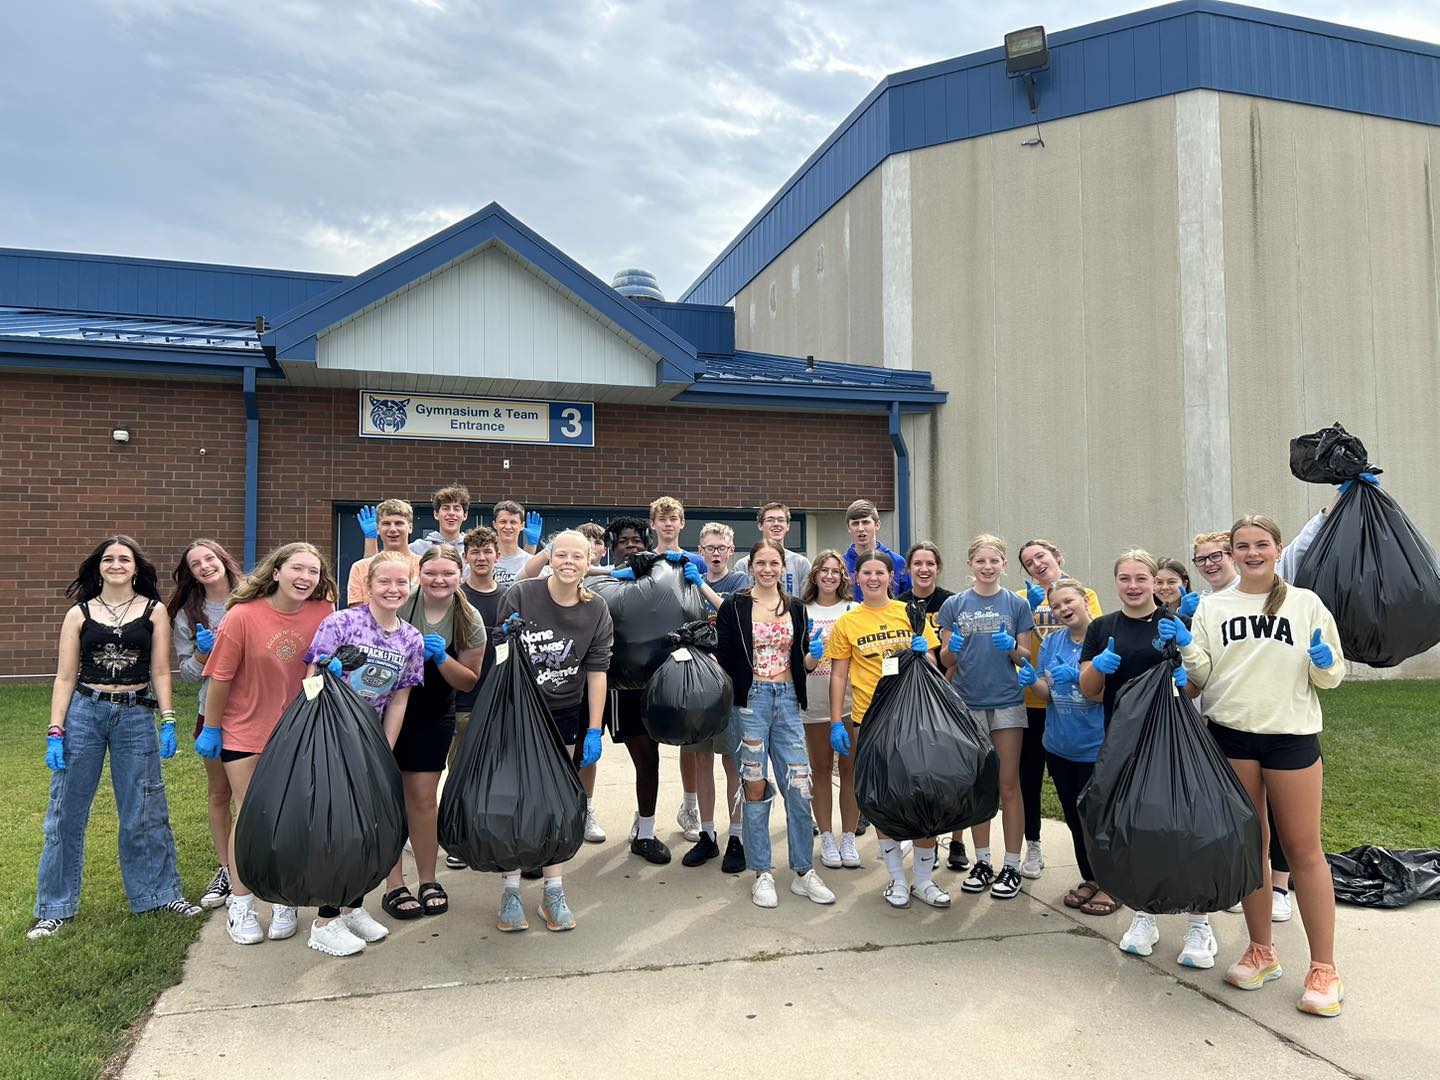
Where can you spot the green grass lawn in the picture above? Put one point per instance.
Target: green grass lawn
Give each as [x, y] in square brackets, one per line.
[66, 1004]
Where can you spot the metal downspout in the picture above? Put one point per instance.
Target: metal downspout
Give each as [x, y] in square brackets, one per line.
[252, 465]
[902, 480]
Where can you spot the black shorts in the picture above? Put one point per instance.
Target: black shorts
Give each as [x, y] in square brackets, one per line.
[625, 714]
[235, 755]
[1284, 753]
[422, 746]
[567, 721]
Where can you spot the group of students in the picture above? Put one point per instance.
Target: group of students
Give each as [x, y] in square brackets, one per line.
[805, 644]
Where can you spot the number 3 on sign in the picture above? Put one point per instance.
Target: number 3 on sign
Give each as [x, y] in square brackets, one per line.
[570, 426]
[572, 423]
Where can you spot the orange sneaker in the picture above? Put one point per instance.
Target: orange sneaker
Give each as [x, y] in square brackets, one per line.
[1258, 965]
[1323, 991]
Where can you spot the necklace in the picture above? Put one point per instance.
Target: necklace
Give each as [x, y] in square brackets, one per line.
[118, 616]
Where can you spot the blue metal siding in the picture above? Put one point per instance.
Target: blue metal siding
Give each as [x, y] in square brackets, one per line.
[710, 328]
[1196, 44]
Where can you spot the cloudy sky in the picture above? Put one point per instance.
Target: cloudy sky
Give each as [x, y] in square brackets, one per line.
[326, 135]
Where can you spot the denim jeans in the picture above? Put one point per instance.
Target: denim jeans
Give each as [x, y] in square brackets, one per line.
[147, 847]
[770, 729]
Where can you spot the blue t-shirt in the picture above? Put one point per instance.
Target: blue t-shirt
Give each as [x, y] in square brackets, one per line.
[984, 676]
[1074, 725]
[732, 582]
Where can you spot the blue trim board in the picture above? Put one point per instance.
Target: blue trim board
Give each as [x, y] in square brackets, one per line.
[153, 357]
[1195, 44]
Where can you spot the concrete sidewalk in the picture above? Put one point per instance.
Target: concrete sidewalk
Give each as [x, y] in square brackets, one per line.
[672, 971]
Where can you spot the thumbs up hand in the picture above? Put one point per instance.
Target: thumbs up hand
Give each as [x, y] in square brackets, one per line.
[817, 646]
[1107, 662]
[1189, 603]
[1027, 674]
[204, 638]
[957, 639]
[1034, 593]
[1320, 653]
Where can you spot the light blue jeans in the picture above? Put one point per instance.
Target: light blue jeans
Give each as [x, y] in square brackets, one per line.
[770, 729]
[147, 847]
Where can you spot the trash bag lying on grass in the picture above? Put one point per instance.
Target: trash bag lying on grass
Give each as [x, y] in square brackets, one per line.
[645, 611]
[689, 698]
[1379, 877]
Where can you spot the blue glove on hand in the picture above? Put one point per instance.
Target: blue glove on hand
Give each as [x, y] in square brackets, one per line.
[1035, 593]
[1003, 640]
[367, 522]
[1027, 675]
[1107, 662]
[55, 752]
[207, 743]
[593, 747]
[817, 646]
[1174, 630]
[675, 556]
[534, 526]
[1062, 674]
[839, 738]
[919, 644]
[624, 573]
[204, 639]
[1369, 478]
[167, 739]
[1320, 653]
[957, 639]
[335, 668]
[435, 648]
[1189, 602]
[1178, 674]
[692, 574]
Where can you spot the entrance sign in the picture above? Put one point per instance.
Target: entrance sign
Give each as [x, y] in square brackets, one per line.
[385, 414]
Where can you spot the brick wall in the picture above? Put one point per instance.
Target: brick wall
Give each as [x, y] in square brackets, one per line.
[68, 483]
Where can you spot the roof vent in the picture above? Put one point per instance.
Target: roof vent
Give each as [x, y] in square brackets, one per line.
[637, 285]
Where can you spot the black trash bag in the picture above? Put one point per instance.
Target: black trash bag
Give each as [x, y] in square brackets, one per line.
[645, 611]
[924, 764]
[1329, 456]
[1378, 576]
[1379, 877]
[513, 799]
[1168, 826]
[323, 820]
[689, 698]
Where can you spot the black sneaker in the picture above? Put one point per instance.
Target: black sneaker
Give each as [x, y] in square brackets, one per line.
[980, 878]
[651, 850]
[453, 863]
[704, 850]
[734, 861]
[1006, 885]
[958, 859]
[533, 875]
[862, 825]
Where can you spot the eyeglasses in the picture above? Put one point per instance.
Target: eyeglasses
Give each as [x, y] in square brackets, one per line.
[716, 549]
[775, 521]
[1214, 559]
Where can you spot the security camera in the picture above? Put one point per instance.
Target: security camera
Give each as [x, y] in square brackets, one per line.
[120, 435]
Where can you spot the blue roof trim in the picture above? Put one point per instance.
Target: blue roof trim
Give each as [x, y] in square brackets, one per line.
[762, 379]
[294, 333]
[1195, 44]
[89, 340]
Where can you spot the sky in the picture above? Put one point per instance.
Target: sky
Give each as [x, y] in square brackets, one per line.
[326, 136]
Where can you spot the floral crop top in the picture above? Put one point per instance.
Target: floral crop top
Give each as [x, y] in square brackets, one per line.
[772, 648]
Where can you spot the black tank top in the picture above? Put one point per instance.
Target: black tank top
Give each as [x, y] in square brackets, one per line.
[116, 655]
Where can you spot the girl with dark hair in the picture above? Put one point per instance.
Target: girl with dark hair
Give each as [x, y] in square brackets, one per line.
[204, 578]
[113, 671]
[925, 588]
[826, 595]
[1172, 585]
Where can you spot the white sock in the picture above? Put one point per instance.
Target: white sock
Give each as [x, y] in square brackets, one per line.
[690, 801]
[246, 901]
[1199, 920]
[1012, 859]
[645, 828]
[735, 829]
[894, 860]
[589, 806]
[512, 880]
[924, 864]
[708, 828]
[552, 884]
[982, 854]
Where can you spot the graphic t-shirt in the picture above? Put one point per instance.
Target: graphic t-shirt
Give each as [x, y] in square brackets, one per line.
[1046, 624]
[261, 653]
[488, 605]
[394, 660]
[797, 569]
[564, 642]
[817, 693]
[357, 587]
[866, 636]
[984, 677]
[1074, 725]
[508, 567]
[1135, 641]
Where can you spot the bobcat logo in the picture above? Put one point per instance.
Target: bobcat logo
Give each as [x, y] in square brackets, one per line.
[387, 414]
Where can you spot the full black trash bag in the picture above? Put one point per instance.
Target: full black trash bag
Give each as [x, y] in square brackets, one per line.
[645, 611]
[924, 764]
[1328, 456]
[323, 820]
[1377, 575]
[689, 698]
[513, 799]
[1168, 826]
[1379, 877]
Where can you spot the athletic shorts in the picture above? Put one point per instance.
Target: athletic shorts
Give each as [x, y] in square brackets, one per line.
[567, 721]
[423, 745]
[625, 714]
[724, 743]
[1011, 716]
[1284, 753]
[235, 755]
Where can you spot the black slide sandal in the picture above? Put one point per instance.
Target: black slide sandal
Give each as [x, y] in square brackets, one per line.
[430, 890]
[401, 904]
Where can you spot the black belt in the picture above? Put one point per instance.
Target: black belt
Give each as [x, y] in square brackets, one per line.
[122, 697]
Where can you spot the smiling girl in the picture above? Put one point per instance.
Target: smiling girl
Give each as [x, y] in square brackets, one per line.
[826, 596]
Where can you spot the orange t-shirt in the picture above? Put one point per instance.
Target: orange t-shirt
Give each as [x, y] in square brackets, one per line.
[357, 586]
[261, 653]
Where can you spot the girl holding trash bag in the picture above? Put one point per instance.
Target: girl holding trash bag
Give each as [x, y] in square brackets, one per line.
[114, 654]
[826, 595]
[568, 634]
[454, 637]
[254, 672]
[762, 647]
[1258, 653]
[862, 649]
[205, 577]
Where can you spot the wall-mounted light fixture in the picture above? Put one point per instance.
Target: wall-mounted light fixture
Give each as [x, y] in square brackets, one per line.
[120, 435]
[1027, 52]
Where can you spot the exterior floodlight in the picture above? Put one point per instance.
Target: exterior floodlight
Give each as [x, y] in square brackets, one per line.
[1026, 53]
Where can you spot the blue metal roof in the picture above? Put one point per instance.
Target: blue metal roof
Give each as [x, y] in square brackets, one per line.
[758, 379]
[1195, 44]
[81, 340]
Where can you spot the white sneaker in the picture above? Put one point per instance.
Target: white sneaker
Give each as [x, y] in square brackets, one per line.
[283, 923]
[829, 852]
[1143, 935]
[1237, 909]
[1200, 947]
[763, 891]
[334, 939]
[689, 822]
[849, 857]
[897, 893]
[811, 886]
[364, 926]
[1280, 906]
[240, 920]
[594, 834]
[931, 894]
[1034, 864]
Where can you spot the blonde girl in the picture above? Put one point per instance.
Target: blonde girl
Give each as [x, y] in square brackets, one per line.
[826, 595]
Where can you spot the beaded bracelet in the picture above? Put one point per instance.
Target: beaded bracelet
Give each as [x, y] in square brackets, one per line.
[56, 731]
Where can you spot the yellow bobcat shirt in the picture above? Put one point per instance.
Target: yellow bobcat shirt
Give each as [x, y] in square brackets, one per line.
[865, 636]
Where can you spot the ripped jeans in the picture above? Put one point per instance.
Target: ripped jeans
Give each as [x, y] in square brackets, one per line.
[768, 730]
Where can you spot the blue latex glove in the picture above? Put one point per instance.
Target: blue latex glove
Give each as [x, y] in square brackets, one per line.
[919, 644]
[675, 556]
[957, 639]
[1174, 630]
[513, 623]
[593, 747]
[534, 526]
[207, 743]
[1027, 675]
[335, 668]
[55, 752]
[368, 523]
[167, 739]
[839, 738]
[1061, 674]
[1320, 653]
[435, 648]
[1189, 602]
[1107, 662]
[1369, 478]
[204, 639]
[692, 574]
[1034, 593]
[624, 573]
[817, 646]
[1178, 674]
[1003, 640]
